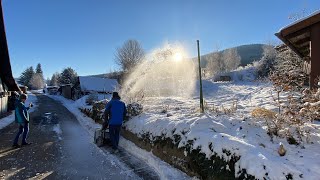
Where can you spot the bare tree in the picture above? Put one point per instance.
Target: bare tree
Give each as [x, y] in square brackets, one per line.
[37, 81]
[129, 55]
[267, 61]
[231, 59]
[214, 63]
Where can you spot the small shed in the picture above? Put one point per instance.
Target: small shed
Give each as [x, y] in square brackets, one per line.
[7, 82]
[66, 91]
[303, 37]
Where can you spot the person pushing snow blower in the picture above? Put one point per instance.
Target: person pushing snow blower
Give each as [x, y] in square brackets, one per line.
[115, 113]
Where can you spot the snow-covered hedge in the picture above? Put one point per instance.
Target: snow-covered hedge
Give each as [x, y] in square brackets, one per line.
[97, 111]
[134, 109]
[98, 107]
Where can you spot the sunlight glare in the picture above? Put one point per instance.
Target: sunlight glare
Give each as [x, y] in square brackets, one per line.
[177, 56]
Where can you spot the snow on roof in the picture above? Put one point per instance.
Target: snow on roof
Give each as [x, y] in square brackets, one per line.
[88, 83]
[300, 20]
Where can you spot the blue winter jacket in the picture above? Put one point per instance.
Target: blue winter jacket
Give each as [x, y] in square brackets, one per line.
[21, 113]
[116, 110]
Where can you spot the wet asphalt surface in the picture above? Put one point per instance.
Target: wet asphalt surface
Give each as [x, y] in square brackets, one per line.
[62, 149]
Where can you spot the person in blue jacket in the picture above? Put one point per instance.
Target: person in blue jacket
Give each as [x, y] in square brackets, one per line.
[116, 110]
[22, 119]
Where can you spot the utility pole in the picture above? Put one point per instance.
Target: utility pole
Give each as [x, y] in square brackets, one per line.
[200, 78]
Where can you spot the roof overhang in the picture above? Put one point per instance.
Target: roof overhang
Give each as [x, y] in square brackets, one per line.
[5, 66]
[297, 35]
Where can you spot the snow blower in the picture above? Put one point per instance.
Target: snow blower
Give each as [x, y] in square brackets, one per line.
[101, 137]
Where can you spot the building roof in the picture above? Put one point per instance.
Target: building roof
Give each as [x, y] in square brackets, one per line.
[5, 66]
[297, 34]
[89, 83]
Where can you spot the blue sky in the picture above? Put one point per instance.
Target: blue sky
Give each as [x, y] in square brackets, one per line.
[83, 34]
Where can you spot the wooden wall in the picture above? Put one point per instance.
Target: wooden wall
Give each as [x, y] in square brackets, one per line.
[66, 91]
[4, 94]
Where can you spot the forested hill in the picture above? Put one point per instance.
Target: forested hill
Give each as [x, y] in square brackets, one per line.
[248, 53]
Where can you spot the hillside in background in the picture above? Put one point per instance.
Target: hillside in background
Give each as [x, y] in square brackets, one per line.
[248, 53]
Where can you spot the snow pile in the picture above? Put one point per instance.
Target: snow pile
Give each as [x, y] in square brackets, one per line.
[239, 133]
[9, 119]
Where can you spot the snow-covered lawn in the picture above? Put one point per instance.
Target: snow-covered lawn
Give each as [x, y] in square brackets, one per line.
[164, 170]
[238, 132]
[9, 119]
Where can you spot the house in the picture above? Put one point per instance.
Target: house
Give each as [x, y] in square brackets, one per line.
[303, 37]
[7, 82]
[89, 84]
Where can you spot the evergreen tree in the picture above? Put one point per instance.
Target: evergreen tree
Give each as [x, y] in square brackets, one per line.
[26, 76]
[68, 76]
[54, 79]
[40, 72]
[39, 69]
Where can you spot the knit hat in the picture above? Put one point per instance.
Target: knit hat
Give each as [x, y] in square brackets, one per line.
[115, 95]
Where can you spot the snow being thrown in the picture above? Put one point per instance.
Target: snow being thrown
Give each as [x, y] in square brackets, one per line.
[165, 71]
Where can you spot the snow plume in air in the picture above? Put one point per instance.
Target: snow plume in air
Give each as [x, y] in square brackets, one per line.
[166, 71]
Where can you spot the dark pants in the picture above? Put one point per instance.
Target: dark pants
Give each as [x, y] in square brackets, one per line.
[22, 129]
[114, 131]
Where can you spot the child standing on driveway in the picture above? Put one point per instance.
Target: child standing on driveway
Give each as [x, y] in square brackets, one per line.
[22, 118]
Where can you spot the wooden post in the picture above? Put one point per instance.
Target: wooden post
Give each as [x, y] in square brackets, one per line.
[315, 55]
[200, 78]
